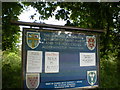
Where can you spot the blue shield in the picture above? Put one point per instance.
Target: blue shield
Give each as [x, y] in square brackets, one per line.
[91, 77]
[33, 39]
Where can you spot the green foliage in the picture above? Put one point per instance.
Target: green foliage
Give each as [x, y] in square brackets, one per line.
[10, 33]
[11, 70]
[108, 71]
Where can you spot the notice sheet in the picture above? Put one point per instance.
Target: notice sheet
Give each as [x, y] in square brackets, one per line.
[51, 62]
[34, 61]
[87, 59]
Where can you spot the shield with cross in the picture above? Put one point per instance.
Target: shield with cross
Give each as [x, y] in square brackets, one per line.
[32, 80]
[91, 42]
[91, 77]
[33, 39]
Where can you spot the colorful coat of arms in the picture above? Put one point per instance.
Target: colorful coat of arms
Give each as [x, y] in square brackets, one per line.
[32, 81]
[33, 39]
[91, 77]
[91, 42]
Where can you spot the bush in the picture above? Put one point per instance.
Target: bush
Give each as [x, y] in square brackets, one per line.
[108, 72]
[11, 70]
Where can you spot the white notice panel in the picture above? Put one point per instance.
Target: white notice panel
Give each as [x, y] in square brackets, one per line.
[51, 62]
[34, 61]
[87, 59]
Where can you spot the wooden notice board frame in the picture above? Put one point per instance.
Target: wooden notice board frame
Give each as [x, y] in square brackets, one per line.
[54, 28]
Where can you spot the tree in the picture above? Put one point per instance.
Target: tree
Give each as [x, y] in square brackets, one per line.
[10, 33]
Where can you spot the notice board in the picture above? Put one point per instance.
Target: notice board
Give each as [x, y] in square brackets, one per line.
[59, 59]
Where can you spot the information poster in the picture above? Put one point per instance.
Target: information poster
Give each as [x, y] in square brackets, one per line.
[87, 59]
[34, 61]
[51, 62]
[55, 59]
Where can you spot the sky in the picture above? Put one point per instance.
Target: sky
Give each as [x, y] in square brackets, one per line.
[25, 16]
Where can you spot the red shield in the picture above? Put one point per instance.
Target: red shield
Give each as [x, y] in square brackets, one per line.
[91, 42]
[32, 81]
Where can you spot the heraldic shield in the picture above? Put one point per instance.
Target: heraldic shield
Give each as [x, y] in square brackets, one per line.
[32, 81]
[91, 77]
[91, 42]
[33, 39]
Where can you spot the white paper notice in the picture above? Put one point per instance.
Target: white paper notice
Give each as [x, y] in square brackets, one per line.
[51, 62]
[87, 59]
[34, 61]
